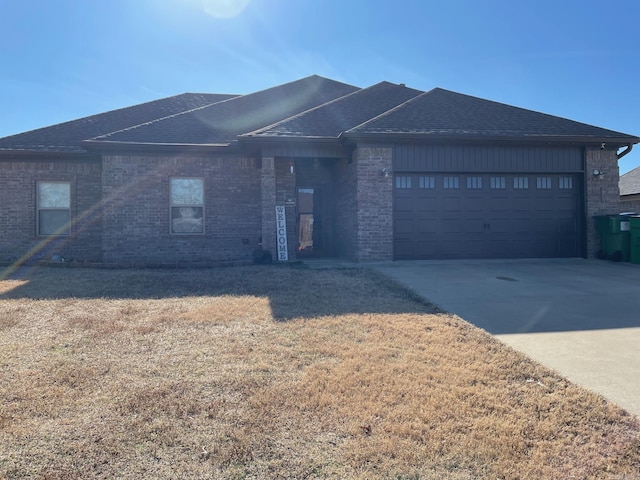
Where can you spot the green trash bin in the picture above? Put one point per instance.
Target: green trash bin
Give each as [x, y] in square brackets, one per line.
[615, 236]
[634, 243]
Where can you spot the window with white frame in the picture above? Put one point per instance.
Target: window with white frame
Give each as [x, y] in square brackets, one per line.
[53, 205]
[187, 206]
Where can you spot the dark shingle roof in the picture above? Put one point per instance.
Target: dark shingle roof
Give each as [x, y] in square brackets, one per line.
[630, 182]
[220, 124]
[312, 107]
[333, 118]
[442, 113]
[67, 137]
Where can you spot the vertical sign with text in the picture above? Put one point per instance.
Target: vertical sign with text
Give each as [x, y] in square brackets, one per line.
[281, 234]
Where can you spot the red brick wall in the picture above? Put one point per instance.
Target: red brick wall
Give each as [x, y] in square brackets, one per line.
[136, 212]
[18, 239]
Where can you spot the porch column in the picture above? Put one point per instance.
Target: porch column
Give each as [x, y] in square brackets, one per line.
[268, 189]
[375, 202]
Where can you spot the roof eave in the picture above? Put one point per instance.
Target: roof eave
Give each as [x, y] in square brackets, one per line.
[52, 154]
[430, 137]
[101, 146]
[287, 138]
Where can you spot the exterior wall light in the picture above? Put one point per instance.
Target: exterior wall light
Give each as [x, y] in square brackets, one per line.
[598, 173]
[385, 172]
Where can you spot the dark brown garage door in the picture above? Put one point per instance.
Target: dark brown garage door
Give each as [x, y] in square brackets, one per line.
[486, 216]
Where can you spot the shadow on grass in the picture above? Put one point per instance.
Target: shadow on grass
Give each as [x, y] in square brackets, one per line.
[293, 292]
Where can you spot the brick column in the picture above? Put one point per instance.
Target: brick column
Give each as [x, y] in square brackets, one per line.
[375, 203]
[603, 192]
[268, 190]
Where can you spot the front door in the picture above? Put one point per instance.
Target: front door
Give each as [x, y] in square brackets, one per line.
[310, 222]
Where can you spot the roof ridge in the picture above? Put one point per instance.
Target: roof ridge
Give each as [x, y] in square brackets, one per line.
[391, 110]
[92, 116]
[155, 120]
[288, 119]
[313, 77]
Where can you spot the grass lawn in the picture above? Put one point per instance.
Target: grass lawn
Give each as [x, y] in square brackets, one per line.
[276, 372]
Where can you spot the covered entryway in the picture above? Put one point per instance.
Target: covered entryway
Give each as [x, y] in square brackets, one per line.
[487, 215]
[314, 207]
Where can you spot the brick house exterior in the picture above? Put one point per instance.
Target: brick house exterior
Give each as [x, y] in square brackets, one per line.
[372, 174]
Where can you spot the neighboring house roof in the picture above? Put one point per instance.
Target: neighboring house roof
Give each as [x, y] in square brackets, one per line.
[441, 113]
[67, 136]
[630, 182]
[333, 118]
[220, 124]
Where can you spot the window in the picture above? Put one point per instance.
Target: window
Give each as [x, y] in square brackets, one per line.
[566, 183]
[543, 183]
[427, 182]
[187, 206]
[474, 182]
[451, 182]
[403, 182]
[54, 208]
[520, 182]
[498, 183]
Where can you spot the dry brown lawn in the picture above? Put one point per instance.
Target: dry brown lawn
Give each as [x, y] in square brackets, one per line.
[275, 372]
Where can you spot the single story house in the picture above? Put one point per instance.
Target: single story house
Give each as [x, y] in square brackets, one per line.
[314, 167]
[630, 191]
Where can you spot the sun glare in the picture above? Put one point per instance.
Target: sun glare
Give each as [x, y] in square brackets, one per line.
[224, 8]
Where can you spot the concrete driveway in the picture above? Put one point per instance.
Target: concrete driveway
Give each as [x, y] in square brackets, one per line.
[579, 317]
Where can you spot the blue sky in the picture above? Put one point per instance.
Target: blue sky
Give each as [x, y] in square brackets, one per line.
[64, 59]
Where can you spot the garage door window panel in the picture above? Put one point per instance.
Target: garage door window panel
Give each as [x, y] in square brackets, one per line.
[451, 183]
[543, 183]
[403, 182]
[565, 183]
[498, 183]
[520, 183]
[427, 182]
[474, 183]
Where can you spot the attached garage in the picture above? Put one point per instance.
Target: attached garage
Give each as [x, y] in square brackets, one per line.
[491, 202]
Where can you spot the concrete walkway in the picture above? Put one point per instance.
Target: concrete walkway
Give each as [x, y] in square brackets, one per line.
[579, 317]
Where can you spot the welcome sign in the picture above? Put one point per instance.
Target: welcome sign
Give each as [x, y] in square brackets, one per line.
[281, 234]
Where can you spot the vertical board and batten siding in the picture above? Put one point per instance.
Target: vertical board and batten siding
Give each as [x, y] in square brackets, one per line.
[486, 158]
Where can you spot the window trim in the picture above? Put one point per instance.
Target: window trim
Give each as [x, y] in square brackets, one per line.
[172, 206]
[67, 232]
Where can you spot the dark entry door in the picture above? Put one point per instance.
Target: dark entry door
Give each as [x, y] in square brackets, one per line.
[311, 233]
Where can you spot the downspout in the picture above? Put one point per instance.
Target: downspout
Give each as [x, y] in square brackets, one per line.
[625, 151]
